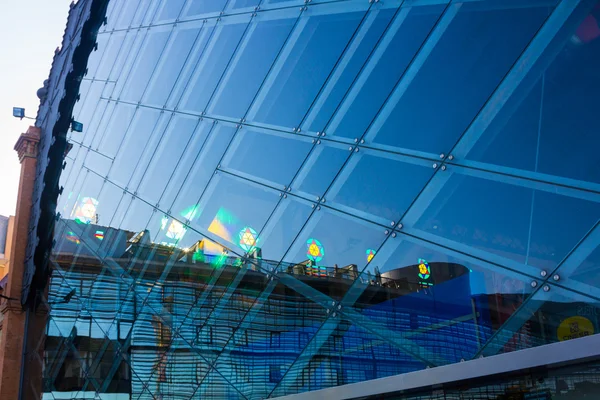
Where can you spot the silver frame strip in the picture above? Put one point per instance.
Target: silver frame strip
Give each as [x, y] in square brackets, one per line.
[551, 355]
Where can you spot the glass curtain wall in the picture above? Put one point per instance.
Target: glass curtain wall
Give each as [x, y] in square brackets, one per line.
[277, 196]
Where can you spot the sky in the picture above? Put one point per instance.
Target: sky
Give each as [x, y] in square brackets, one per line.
[30, 31]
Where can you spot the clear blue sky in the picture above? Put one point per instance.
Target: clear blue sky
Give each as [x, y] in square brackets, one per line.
[30, 31]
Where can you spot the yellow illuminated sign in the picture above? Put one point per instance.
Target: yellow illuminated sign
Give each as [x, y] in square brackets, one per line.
[574, 327]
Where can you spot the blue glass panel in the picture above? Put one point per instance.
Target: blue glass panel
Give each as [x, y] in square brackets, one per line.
[108, 201]
[112, 13]
[112, 50]
[143, 8]
[85, 108]
[402, 39]
[429, 113]
[253, 153]
[169, 10]
[96, 56]
[506, 221]
[333, 239]
[249, 67]
[319, 170]
[551, 315]
[173, 143]
[278, 235]
[172, 61]
[236, 4]
[146, 62]
[150, 145]
[379, 185]
[530, 132]
[194, 57]
[270, 335]
[102, 117]
[97, 162]
[82, 210]
[68, 200]
[215, 59]
[185, 165]
[336, 88]
[447, 303]
[113, 135]
[132, 147]
[199, 7]
[203, 169]
[126, 14]
[229, 206]
[136, 217]
[316, 44]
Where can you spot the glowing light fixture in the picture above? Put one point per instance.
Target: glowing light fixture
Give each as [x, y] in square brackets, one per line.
[248, 238]
[76, 126]
[85, 210]
[370, 254]
[314, 250]
[18, 112]
[424, 270]
[176, 230]
[99, 235]
[72, 237]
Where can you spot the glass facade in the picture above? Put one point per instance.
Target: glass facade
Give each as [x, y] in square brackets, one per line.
[278, 196]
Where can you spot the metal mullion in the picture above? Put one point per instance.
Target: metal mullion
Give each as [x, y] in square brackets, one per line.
[117, 268]
[138, 42]
[169, 349]
[123, 140]
[113, 11]
[513, 324]
[169, 120]
[194, 133]
[68, 344]
[579, 254]
[582, 249]
[311, 349]
[200, 300]
[243, 326]
[208, 136]
[185, 63]
[539, 53]
[247, 36]
[531, 179]
[412, 70]
[366, 69]
[307, 354]
[355, 317]
[474, 255]
[225, 297]
[91, 295]
[338, 70]
[339, 65]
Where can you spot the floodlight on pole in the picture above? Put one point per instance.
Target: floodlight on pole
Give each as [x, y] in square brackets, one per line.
[19, 112]
[76, 126]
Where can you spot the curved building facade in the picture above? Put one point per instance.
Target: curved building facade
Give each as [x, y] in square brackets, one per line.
[262, 198]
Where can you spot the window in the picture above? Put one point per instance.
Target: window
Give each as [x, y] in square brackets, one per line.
[204, 335]
[302, 339]
[338, 343]
[275, 373]
[240, 338]
[275, 339]
[243, 372]
[201, 371]
[369, 371]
